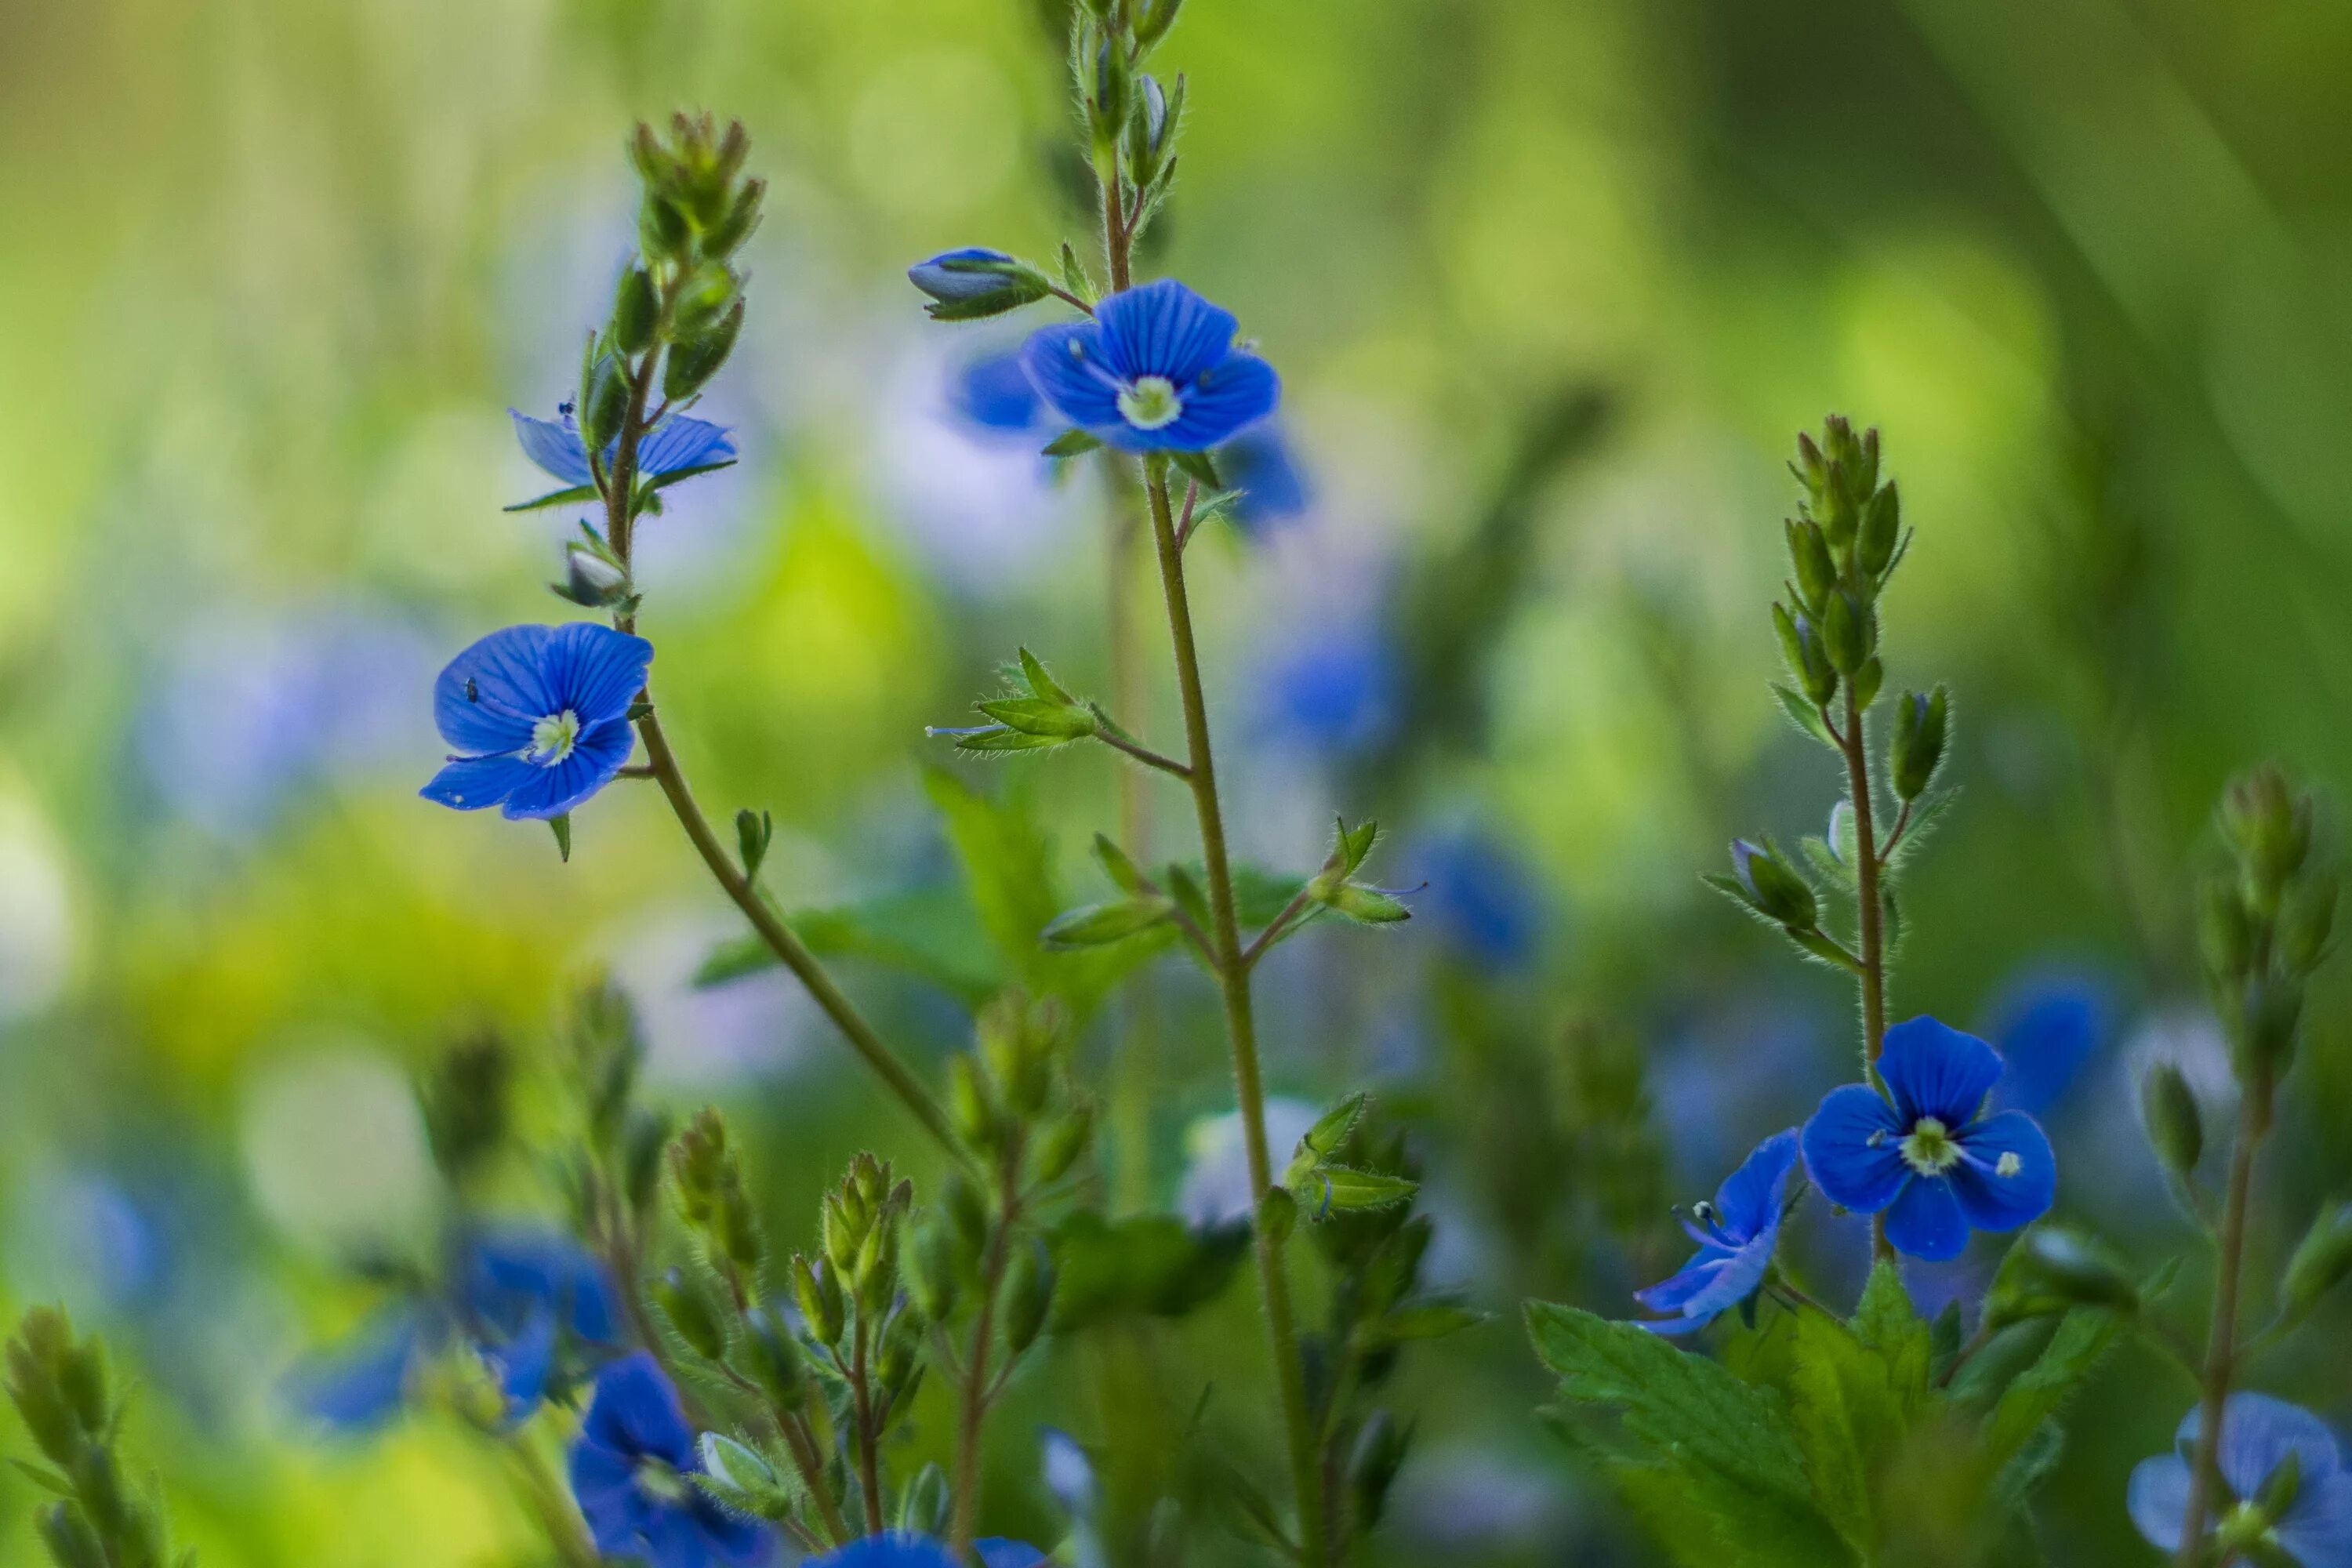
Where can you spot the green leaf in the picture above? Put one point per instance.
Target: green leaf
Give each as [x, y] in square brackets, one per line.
[562, 827]
[1042, 683]
[1886, 1321]
[2042, 1392]
[1071, 444]
[1429, 1322]
[1097, 924]
[1116, 866]
[1005, 738]
[679, 475]
[1200, 468]
[1854, 1393]
[555, 497]
[1074, 275]
[1150, 1265]
[1342, 1188]
[1803, 714]
[1040, 716]
[1333, 1128]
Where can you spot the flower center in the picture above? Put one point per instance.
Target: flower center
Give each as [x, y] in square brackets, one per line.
[1930, 1150]
[1150, 402]
[2248, 1524]
[661, 1483]
[552, 738]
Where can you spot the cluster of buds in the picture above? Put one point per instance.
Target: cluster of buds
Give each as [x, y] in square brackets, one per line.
[713, 1201]
[2265, 922]
[686, 293]
[1843, 544]
[60, 1388]
[465, 1105]
[1010, 1098]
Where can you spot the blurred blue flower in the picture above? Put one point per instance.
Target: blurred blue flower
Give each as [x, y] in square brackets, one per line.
[517, 1298]
[1937, 1167]
[631, 1472]
[1736, 1236]
[2048, 1023]
[540, 717]
[1069, 1472]
[1260, 464]
[1154, 371]
[1478, 900]
[1333, 693]
[1215, 1190]
[2259, 1434]
[994, 395]
[677, 445]
[895, 1549]
[942, 281]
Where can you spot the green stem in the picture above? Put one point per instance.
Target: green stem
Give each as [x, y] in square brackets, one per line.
[1871, 914]
[549, 1500]
[976, 1389]
[1139, 1041]
[811, 1466]
[1241, 1025]
[869, 1462]
[2221, 1355]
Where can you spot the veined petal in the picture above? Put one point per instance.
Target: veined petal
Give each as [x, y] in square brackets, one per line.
[1852, 1171]
[1933, 1069]
[2258, 1432]
[1238, 392]
[555, 447]
[2158, 1499]
[1066, 365]
[684, 443]
[1164, 329]
[1750, 1197]
[2318, 1529]
[361, 1384]
[1925, 1221]
[469, 784]
[487, 699]
[595, 757]
[1738, 1279]
[594, 671]
[635, 1412]
[2009, 1177]
[1669, 1294]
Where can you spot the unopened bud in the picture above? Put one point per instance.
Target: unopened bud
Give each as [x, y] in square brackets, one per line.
[693, 361]
[2268, 825]
[2176, 1128]
[603, 404]
[971, 1101]
[1028, 1294]
[1921, 724]
[691, 1314]
[933, 1269]
[2225, 929]
[1776, 891]
[819, 1294]
[1882, 527]
[1801, 649]
[1849, 631]
[2321, 1260]
[1808, 555]
[635, 311]
[1064, 1142]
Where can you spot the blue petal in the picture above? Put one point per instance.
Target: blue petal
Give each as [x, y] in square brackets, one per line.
[2158, 1499]
[486, 699]
[2047, 1025]
[995, 394]
[635, 1412]
[720, 1534]
[1670, 1294]
[1736, 1280]
[892, 1548]
[1066, 365]
[523, 1361]
[996, 1552]
[2258, 1432]
[1164, 329]
[1839, 1155]
[1990, 1200]
[508, 1273]
[1261, 466]
[935, 279]
[682, 443]
[1227, 400]
[2318, 1529]
[1750, 1197]
[554, 448]
[361, 1384]
[605, 1484]
[596, 756]
[594, 671]
[1926, 1222]
[1933, 1069]
[469, 784]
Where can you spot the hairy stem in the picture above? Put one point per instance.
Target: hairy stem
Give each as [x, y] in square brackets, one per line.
[2221, 1341]
[976, 1389]
[1241, 1025]
[869, 1462]
[802, 1443]
[1871, 914]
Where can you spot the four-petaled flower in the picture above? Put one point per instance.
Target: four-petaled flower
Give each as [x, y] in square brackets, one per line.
[539, 716]
[898, 1548]
[1736, 1234]
[1155, 370]
[2304, 1509]
[517, 1299]
[677, 448]
[632, 1473]
[1936, 1166]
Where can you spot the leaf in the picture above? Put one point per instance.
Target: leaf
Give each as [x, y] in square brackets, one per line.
[1148, 1265]
[1116, 866]
[555, 497]
[679, 475]
[1005, 738]
[1334, 1127]
[1804, 715]
[1042, 683]
[562, 827]
[2044, 1390]
[1343, 1188]
[1200, 468]
[1886, 1321]
[1093, 925]
[1423, 1323]
[1071, 444]
[1040, 716]
[1854, 1393]
[929, 932]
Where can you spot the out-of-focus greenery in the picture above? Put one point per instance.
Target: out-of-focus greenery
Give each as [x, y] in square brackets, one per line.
[1552, 283]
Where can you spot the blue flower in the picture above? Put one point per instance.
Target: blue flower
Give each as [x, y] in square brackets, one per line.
[1155, 370]
[1260, 464]
[2047, 1024]
[898, 1548]
[1930, 1160]
[677, 448]
[1334, 691]
[517, 1299]
[631, 1472]
[942, 278]
[2259, 1434]
[1479, 900]
[539, 716]
[993, 393]
[1736, 1234]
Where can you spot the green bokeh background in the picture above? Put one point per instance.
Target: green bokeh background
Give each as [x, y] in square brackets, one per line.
[1552, 283]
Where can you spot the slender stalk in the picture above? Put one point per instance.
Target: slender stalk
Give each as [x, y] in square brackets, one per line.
[1241, 1025]
[548, 1498]
[869, 1463]
[977, 1392]
[1138, 1051]
[2221, 1355]
[801, 1442]
[1871, 915]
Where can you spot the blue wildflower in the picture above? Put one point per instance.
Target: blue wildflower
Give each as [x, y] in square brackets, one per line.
[1155, 369]
[539, 716]
[1936, 1166]
[993, 393]
[1260, 464]
[1480, 901]
[1334, 693]
[2309, 1520]
[677, 448]
[2047, 1024]
[1736, 1234]
[631, 1473]
[896, 1548]
[517, 1299]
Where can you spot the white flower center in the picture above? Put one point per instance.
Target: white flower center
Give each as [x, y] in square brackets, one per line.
[552, 738]
[1929, 1150]
[1150, 402]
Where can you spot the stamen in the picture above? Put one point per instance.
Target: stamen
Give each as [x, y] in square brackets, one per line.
[2009, 1164]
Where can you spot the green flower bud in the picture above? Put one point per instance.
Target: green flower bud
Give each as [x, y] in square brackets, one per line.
[902, 1348]
[1107, 104]
[1372, 1467]
[1153, 19]
[2268, 825]
[934, 1269]
[1809, 554]
[694, 360]
[840, 1231]
[67, 1532]
[635, 311]
[1849, 631]
[1920, 725]
[1064, 1142]
[691, 1314]
[2073, 1267]
[967, 1211]
[603, 403]
[1801, 649]
[971, 1104]
[773, 1360]
[663, 232]
[819, 1293]
[642, 1141]
[876, 1276]
[1028, 1294]
[2306, 921]
[2272, 1016]
[2225, 929]
[1882, 527]
[709, 293]
[2176, 1128]
[2321, 1260]
[727, 235]
[1772, 887]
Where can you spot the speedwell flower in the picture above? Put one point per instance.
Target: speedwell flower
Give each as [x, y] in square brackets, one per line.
[896, 1549]
[1155, 370]
[677, 446]
[2302, 1509]
[631, 1472]
[1936, 1166]
[539, 716]
[1736, 1234]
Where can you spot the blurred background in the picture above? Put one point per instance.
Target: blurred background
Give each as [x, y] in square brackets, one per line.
[1552, 285]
